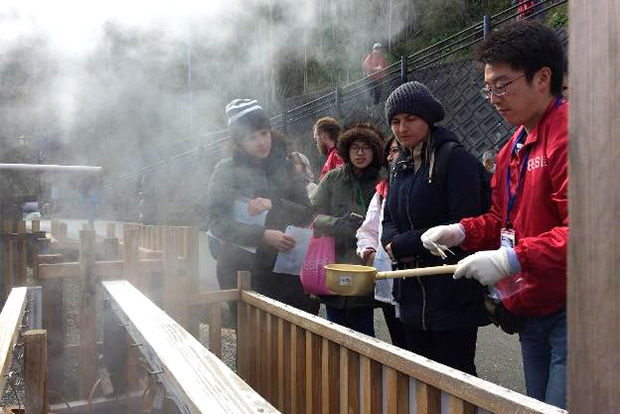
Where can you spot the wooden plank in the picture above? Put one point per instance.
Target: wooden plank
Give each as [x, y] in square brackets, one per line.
[88, 331]
[243, 326]
[298, 370]
[35, 300]
[174, 281]
[54, 323]
[458, 406]
[22, 253]
[131, 268]
[110, 248]
[10, 320]
[194, 378]
[371, 389]
[215, 329]
[344, 380]
[114, 347]
[330, 369]
[105, 269]
[35, 371]
[428, 399]
[192, 244]
[8, 259]
[483, 394]
[280, 362]
[593, 289]
[218, 296]
[270, 360]
[313, 373]
[110, 230]
[35, 226]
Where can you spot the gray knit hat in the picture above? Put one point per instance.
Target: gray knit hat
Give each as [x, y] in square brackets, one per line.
[416, 99]
[245, 116]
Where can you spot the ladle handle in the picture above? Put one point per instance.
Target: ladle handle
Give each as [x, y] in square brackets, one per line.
[422, 271]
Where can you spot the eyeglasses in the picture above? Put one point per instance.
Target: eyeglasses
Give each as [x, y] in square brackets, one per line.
[499, 90]
[357, 148]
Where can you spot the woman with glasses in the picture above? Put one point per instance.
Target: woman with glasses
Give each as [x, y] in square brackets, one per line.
[341, 201]
[433, 181]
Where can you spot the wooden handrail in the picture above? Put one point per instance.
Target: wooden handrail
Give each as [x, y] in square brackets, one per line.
[468, 388]
[195, 378]
[10, 321]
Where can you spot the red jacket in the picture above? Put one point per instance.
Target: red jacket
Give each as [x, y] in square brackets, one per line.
[372, 61]
[539, 216]
[334, 160]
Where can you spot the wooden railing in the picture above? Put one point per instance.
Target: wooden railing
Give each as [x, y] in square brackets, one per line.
[305, 364]
[297, 362]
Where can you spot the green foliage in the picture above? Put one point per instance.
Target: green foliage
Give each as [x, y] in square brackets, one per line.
[558, 17]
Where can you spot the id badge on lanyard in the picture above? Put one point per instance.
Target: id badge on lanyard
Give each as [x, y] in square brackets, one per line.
[508, 238]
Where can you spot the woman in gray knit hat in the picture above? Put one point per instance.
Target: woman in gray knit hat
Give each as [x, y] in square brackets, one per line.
[433, 181]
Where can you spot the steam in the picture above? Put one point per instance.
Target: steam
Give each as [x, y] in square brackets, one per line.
[124, 84]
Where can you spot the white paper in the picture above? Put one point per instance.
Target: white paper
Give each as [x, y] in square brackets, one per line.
[241, 214]
[291, 262]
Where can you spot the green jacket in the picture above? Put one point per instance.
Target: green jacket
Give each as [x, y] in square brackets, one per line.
[339, 193]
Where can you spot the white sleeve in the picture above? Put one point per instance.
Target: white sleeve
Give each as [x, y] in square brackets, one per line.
[368, 233]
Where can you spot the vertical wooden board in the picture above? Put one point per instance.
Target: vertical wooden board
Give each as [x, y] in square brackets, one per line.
[370, 388]
[286, 356]
[193, 275]
[344, 380]
[242, 341]
[35, 371]
[459, 406]
[269, 360]
[330, 398]
[88, 333]
[354, 382]
[253, 347]
[114, 347]
[391, 385]
[35, 226]
[593, 363]
[182, 292]
[429, 399]
[8, 259]
[261, 353]
[403, 394]
[215, 329]
[313, 373]
[298, 369]
[279, 378]
[131, 259]
[110, 230]
[54, 323]
[22, 253]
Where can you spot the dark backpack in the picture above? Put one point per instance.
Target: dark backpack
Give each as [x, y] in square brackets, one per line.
[441, 160]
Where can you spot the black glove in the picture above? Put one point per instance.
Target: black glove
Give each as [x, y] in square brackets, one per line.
[502, 317]
[347, 225]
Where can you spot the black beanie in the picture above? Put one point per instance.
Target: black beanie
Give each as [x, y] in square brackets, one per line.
[416, 99]
[244, 117]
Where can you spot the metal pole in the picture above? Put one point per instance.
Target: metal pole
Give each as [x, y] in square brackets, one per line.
[486, 25]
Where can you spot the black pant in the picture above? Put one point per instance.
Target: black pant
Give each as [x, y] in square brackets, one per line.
[456, 349]
[395, 327]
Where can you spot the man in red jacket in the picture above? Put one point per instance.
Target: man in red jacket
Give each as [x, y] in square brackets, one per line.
[326, 132]
[374, 64]
[522, 241]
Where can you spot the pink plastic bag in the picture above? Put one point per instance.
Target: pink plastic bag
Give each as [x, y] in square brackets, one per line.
[321, 252]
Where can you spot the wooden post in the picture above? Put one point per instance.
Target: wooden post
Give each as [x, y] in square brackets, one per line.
[8, 260]
[131, 262]
[243, 357]
[193, 276]
[215, 329]
[35, 371]
[593, 284]
[35, 306]
[88, 333]
[53, 322]
[22, 253]
[114, 347]
[174, 283]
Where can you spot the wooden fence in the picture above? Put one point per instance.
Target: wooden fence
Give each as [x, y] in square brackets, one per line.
[295, 362]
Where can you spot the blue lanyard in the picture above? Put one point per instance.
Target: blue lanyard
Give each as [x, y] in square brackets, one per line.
[513, 197]
[520, 140]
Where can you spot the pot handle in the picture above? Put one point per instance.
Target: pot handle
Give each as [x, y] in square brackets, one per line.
[422, 271]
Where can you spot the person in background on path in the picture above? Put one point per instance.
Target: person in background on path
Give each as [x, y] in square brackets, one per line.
[302, 166]
[434, 180]
[374, 64]
[260, 172]
[521, 243]
[340, 203]
[369, 243]
[325, 134]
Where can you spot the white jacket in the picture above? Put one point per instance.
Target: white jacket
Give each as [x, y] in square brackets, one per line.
[369, 237]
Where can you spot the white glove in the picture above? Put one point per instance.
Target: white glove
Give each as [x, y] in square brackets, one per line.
[487, 267]
[445, 236]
